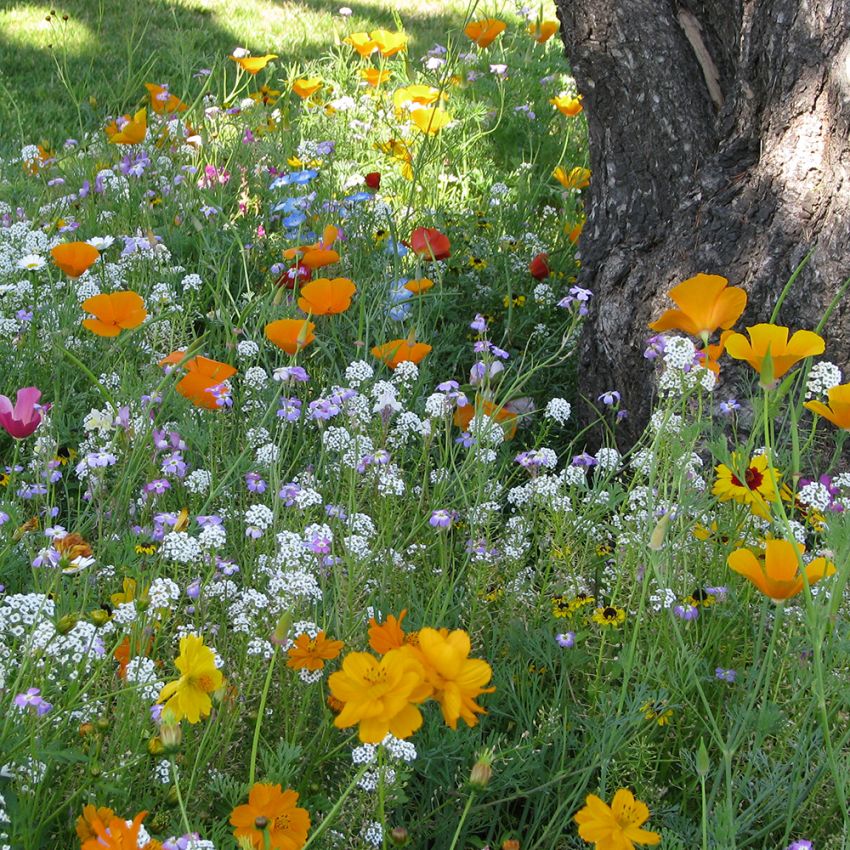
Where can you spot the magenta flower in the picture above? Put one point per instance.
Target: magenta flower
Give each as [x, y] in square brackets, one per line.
[22, 419]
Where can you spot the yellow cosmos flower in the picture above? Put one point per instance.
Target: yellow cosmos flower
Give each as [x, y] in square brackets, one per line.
[838, 411]
[455, 678]
[773, 340]
[755, 486]
[189, 696]
[618, 826]
[776, 571]
[380, 695]
[575, 178]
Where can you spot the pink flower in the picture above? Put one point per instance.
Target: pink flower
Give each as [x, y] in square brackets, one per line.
[22, 419]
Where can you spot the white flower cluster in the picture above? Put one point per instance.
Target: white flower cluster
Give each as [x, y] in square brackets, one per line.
[179, 546]
[823, 376]
[558, 410]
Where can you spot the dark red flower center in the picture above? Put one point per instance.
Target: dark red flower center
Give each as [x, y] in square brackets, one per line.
[753, 479]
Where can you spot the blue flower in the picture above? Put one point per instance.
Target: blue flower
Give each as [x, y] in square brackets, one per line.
[295, 219]
[296, 178]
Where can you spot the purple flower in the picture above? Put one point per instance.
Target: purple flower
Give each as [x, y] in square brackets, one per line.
[479, 323]
[441, 518]
[33, 701]
[584, 459]
[290, 409]
[610, 398]
[725, 675]
[323, 409]
[567, 640]
[654, 347]
[289, 493]
[4, 517]
[686, 612]
[255, 483]
[204, 520]
[291, 373]
[800, 844]
[157, 486]
[465, 439]
[193, 590]
[727, 408]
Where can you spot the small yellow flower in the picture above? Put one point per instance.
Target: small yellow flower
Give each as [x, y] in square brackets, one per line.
[615, 827]
[609, 616]
[189, 696]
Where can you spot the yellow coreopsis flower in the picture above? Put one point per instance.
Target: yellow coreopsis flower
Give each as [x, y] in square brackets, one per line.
[756, 486]
[189, 696]
[456, 678]
[773, 340]
[615, 827]
[380, 695]
[776, 572]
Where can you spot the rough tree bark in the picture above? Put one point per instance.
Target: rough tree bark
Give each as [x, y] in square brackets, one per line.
[719, 143]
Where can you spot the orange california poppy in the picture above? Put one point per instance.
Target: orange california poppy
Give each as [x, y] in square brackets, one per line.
[308, 653]
[74, 258]
[567, 104]
[162, 101]
[406, 96]
[430, 243]
[838, 411]
[776, 571]
[131, 132]
[575, 178]
[417, 287]
[575, 231]
[318, 255]
[122, 656]
[253, 64]
[114, 312]
[713, 353]
[290, 334]
[485, 31]
[307, 86]
[544, 31]
[706, 303]
[362, 43]
[374, 76]
[202, 374]
[389, 43]
[464, 415]
[773, 340]
[430, 120]
[387, 635]
[285, 824]
[400, 350]
[326, 297]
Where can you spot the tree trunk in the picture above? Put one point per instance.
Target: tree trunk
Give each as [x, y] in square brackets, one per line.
[719, 143]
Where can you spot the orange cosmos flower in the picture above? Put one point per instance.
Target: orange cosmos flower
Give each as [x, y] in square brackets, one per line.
[430, 120]
[162, 101]
[308, 653]
[117, 835]
[773, 339]
[567, 104]
[838, 411]
[114, 312]
[291, 334]
[544, 31]
[389, 43]
[388, 635]
[615, 827]
[455, 678]
[253, 64]
[362, 43]
[575, 178]
[430, 243]
[485, 31]
[307, 86]
[131, 132]
[285, 824]
[375, 77]
[74, 258]
[326, 297]
[776, 571]
[380, 695]
[202, 374]
[417, 287]
[122, 656]
[399, 350]
[90, 816]
[706, 303]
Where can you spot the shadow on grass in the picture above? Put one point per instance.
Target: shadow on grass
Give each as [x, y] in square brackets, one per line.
[54, 85]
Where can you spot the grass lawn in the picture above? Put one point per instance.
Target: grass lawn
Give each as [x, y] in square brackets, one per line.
[63, 65]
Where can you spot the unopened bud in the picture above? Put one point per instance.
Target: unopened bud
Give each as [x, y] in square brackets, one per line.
[155, 746]
[99, 617]
[399, 836]
[482, 771]
[510, 844]
[702, 763]
[261, 822]
[171, 735]
[656, 540]
[66, 623]
[281, 630]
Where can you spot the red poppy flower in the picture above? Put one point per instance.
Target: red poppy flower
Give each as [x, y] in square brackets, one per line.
[373, 179]
[430, 243]
[539, 266]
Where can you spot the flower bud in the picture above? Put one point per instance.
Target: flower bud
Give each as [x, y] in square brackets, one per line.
[656, 540]
[510, 844]
[482, 771]
[171, 735]
[155, 746]
[399, 836]
[66, 623]
[281, 630]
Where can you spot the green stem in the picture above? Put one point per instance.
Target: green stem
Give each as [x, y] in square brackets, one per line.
[462, 820]
[180, 802]
[260, 713]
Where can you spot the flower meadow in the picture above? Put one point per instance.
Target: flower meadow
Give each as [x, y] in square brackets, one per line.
[301, 544]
